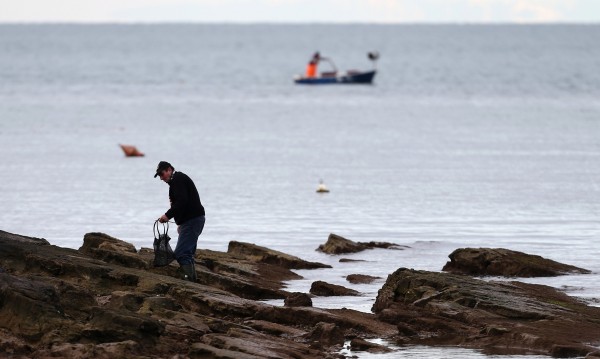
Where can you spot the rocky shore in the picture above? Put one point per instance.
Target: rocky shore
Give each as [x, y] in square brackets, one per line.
[106, 300]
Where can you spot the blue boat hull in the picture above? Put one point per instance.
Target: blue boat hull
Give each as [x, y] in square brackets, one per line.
[353, 78]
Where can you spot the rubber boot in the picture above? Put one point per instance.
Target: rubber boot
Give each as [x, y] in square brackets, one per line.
[189, 272]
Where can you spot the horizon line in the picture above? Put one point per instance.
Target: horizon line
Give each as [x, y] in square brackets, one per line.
[304, 23]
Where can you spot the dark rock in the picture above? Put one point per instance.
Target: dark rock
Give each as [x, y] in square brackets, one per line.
[348, 260]
[349, 320]
[397, 315]
[298, 300]
[204, 351]
[244, 277]
[24, 239]
[568, 351]
[256, 253]
[93, 303]
[337, 245]
[275, 329]
[359, 344]
[325, 289]
[112, 250]
[450, 309]
[594, 355]
[128, 300]
[36, 303]
[494, 330]
[406, 330]
[108, 325]
[504, 262]
[248, 343]
[106, 242]
[125, 349]
[361, 279]
[326, 334]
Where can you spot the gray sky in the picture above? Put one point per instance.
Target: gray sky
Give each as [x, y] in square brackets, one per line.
[244, 11]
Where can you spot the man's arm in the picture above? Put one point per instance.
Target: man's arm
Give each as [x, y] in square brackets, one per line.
[178, 197]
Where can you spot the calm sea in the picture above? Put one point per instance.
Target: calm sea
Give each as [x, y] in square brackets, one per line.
[470, 136]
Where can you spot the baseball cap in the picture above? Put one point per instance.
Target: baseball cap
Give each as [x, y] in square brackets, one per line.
[162, 165]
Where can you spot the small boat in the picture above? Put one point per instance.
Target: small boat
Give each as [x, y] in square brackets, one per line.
[350, 77]
[337, 77]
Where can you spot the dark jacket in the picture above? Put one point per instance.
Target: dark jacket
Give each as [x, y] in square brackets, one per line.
[185, 200]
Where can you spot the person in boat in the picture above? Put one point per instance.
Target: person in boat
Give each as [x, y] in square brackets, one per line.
[189, 215]
[311, 68]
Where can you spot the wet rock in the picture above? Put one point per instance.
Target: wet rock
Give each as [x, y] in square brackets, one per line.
[108, 325]
[88, 303]
[448, 309]
[256, 253]
[326, 334]
[30, 308]
[298, 300]
[12, 346]
[112, 250]
[359, 344]
[505, 262]
[245, 342]
[202, 351]
[361, 279]
[349, 260]
[568, 351]
[325, 289]
[337, 245]
[405, 330]
[307, 317]
[275, 329]
[244, 277]
[126, 349]
[24, 239]
[106, 242]
[594, 355]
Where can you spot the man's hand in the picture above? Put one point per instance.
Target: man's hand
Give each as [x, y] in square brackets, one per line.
[163, 219]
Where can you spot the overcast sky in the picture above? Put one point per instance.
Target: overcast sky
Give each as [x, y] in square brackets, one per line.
[245, 11]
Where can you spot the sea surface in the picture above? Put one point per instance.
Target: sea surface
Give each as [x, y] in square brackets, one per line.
[470, 136]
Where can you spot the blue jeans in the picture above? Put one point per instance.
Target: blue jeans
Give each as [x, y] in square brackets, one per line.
[188, 240]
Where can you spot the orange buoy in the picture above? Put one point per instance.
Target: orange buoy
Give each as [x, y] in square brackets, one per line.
[131, 151]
